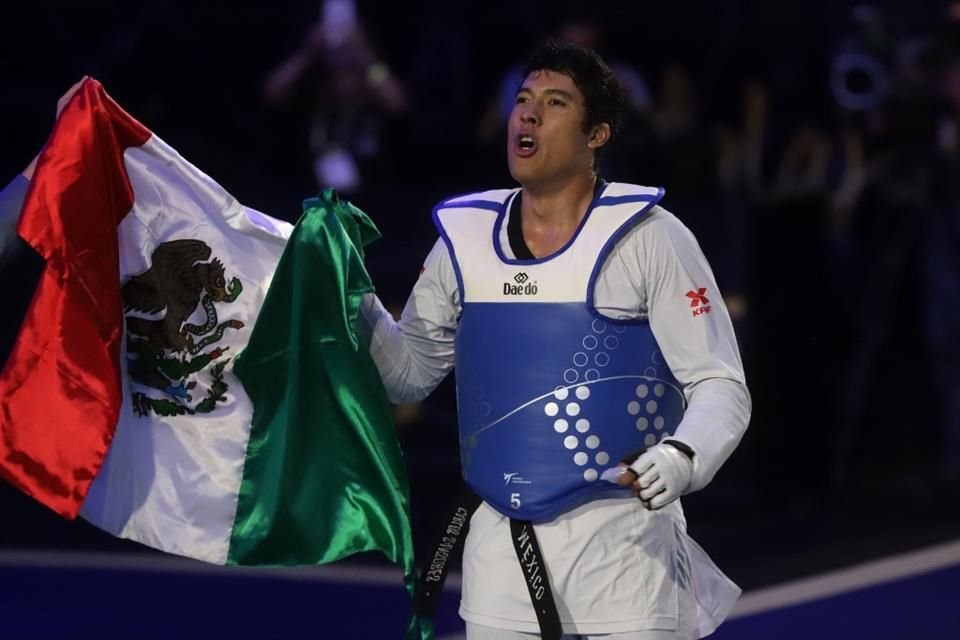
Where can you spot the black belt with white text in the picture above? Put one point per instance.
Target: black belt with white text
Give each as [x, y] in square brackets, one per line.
[450, 542]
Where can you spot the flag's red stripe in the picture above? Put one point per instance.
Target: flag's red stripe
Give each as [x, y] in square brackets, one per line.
[60, 388]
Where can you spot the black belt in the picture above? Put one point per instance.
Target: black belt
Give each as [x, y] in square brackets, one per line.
[535, 574]
[450, 542]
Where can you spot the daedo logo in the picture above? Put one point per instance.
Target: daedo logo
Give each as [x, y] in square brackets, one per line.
[523, 286]
[699, 301]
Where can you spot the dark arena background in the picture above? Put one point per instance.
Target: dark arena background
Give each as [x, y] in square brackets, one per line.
[813, 147]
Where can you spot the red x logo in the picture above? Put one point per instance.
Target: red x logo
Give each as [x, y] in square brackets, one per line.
[697, 297]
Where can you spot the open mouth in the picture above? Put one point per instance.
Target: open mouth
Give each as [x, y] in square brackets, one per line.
[525, 145]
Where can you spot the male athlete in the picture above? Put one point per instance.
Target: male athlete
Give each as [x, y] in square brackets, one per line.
[598, 379]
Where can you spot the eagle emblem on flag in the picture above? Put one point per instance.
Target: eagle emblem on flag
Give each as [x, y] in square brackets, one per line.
[165, 353]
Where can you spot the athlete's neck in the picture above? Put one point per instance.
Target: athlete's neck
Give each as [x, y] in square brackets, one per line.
[550, 215]
[558, 204]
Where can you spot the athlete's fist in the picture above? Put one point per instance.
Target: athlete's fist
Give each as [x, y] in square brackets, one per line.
[659, 475]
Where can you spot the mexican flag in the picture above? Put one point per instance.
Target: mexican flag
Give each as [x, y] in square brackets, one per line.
[189, 373]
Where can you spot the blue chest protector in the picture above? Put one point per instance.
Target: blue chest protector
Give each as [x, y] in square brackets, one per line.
[550, 394]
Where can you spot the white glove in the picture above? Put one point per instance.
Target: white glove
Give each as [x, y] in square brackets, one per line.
[662, 473]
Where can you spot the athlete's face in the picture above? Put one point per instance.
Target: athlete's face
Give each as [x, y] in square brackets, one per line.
[546, 143]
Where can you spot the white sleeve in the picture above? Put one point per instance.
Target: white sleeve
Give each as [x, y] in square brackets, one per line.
[415, 354]
[697, 339]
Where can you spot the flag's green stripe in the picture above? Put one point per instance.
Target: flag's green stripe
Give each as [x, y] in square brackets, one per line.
[324, 476]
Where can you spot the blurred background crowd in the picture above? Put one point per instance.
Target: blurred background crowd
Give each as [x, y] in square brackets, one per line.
[812, 146]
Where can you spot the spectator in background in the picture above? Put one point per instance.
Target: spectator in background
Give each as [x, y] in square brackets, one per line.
[905, 232]
[773, 201]
[349, 89]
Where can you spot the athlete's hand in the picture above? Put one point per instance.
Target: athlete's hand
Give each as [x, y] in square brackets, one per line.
[659, 476]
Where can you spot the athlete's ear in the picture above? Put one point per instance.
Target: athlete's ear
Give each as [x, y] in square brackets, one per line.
[599, 136]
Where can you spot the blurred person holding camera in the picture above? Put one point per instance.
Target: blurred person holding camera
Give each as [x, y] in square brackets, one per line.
[350, 89]
[900, 237]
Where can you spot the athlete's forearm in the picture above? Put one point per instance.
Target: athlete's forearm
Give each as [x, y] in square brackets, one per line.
[694, 330]
[415, 354]
[411, 362]
[717, 415]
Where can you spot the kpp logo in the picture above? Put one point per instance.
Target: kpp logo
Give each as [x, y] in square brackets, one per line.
[699, 301]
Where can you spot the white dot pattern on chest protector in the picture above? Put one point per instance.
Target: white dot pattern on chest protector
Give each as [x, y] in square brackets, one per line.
[598, 347]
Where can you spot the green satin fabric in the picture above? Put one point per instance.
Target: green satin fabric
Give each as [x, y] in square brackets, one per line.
[324, 476]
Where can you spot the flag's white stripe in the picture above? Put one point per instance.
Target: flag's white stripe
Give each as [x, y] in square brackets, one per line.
[172, 482]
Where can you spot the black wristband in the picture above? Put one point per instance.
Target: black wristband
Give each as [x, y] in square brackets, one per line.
[682, 447]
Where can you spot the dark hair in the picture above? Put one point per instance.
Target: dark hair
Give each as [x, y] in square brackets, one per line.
[603, 95]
